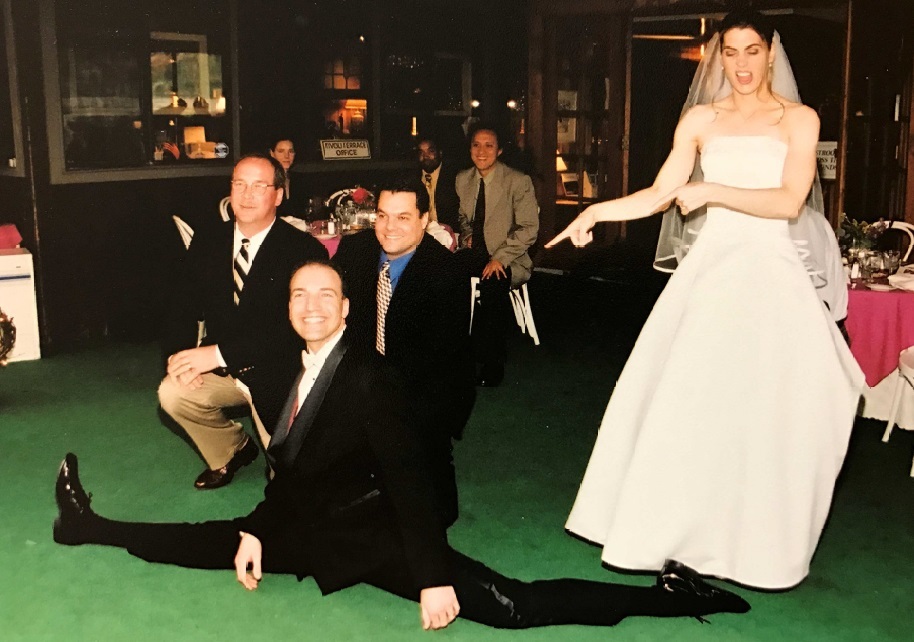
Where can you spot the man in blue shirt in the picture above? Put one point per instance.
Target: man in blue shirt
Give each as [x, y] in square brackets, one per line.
[410, 301]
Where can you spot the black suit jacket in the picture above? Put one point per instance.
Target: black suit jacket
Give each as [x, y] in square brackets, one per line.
[350, 494]
[426, 339]
[257, 331]
[447, 203]
[427, 325]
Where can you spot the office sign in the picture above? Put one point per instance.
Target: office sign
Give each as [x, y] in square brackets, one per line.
[345, 149]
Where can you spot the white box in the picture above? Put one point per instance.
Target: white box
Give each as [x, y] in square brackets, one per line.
[17, 300]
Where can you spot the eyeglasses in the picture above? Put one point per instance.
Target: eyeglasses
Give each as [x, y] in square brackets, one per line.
[257, 189]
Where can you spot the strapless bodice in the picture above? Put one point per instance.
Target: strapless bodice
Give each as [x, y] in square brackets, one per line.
[751, 162]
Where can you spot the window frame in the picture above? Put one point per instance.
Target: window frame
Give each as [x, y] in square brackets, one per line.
[59, 173]
[12, 75]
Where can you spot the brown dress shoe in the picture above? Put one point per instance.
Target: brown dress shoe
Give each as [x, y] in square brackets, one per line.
[209, 479]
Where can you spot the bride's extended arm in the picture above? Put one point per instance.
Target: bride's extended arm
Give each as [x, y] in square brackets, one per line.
[675, 172]
[782, 202]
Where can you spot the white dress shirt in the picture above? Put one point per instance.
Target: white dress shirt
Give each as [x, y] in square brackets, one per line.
[313, 363]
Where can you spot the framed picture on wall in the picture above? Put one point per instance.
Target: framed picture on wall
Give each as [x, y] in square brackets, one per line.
[567, 128]
[568, 100]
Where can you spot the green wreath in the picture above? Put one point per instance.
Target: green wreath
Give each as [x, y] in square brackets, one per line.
[7, 336]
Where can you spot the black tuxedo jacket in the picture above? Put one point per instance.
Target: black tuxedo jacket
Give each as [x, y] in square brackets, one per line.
[447, 203]
[350, 495]
[255, 331]
[427, 325]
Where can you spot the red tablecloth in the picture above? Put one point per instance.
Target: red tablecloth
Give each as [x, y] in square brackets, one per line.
[880, 325]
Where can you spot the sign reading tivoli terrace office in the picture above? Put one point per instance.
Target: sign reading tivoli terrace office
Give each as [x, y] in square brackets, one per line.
[345, 149]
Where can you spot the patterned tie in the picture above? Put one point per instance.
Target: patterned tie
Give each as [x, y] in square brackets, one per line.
[240, 268]
[431, 196]
[385, 291]
[479, 218]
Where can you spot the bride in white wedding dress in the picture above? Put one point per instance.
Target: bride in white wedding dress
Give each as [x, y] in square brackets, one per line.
[729, 424]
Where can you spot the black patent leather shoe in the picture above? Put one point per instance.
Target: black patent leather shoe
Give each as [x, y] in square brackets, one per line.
[490, 375]
[220, 477]
[72, 503]
[690, 595]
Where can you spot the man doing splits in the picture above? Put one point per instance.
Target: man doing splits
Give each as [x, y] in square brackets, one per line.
[349, 504]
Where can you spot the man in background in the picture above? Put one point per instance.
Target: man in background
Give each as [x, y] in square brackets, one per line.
[439, 179]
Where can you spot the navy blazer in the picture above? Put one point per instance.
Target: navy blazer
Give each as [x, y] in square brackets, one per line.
[257, 330]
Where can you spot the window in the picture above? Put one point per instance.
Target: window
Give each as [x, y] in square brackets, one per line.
[10, 137]
[140, 86]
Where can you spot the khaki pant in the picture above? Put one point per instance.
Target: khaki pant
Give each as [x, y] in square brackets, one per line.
[201, 413]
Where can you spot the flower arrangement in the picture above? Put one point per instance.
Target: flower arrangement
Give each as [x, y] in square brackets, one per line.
[362, 197]
[858, 234]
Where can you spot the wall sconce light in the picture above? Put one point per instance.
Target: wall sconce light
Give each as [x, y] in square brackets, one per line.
[474, 103]
[356, 108]
[512, 104]
[560, 167]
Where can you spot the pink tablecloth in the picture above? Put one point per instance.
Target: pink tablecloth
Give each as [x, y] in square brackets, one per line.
[880, 325]
[329, 242]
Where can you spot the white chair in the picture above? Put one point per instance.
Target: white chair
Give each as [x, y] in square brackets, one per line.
[905, 376]
[520, 302]
[223, 209]
[185, 230]
[908, 229]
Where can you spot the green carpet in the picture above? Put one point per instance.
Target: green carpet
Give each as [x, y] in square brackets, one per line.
[518, 469]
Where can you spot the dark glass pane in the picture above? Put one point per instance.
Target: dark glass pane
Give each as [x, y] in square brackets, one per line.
[7, 144]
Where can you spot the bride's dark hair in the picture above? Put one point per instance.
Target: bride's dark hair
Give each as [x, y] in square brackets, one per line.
[747, 19]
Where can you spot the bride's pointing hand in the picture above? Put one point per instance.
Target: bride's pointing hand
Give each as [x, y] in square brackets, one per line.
[578, 231]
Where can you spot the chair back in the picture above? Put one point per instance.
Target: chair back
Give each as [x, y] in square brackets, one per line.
[907, 230]
[223, 209]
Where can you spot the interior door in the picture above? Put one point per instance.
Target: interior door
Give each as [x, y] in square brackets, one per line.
[584, 116]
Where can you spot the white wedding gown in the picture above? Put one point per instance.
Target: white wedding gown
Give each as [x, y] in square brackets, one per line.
[729, 424]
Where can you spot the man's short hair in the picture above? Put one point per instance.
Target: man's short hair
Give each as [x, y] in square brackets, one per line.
[279, 174]
[484, 127]
[327, 264]
[431, 143]
[408, 183]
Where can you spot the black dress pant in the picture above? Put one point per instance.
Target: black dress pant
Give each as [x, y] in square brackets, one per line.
[485, 596]
[493, 316]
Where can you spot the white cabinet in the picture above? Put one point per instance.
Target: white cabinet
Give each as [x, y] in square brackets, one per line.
[17, 300]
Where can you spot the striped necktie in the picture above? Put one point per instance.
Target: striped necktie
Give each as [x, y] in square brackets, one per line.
[240, 268]
[385, 292]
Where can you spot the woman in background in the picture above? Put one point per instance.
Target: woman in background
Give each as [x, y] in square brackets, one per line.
[295, 202]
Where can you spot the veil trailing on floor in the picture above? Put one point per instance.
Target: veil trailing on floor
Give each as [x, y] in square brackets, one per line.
[810, 231]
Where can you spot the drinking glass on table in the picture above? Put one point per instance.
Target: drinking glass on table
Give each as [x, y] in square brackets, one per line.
[892, 261]
[873, 267]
